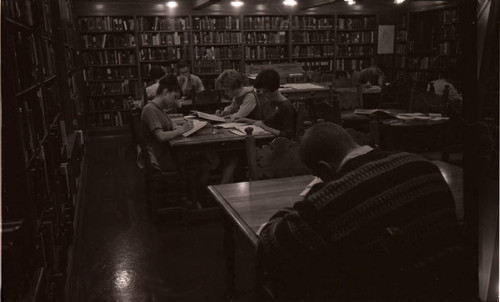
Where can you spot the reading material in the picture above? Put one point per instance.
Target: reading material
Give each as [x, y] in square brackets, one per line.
[230, 125]
[210, 117]
[197, 125]
[316, 180]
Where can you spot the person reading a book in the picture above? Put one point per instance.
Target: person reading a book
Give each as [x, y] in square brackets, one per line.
[244, 101]
[277, 112]
[188, 81]
[379, 225]
[158, 128]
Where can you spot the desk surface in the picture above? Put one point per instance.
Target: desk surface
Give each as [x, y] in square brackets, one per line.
[250, 204]
[206, 136]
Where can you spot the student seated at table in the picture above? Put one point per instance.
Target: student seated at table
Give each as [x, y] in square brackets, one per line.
[188, 81]
[375, 222]
[439, 86]
[244, 101]
[155, 74]
[158, 129]
[371, 80]
[277, 113]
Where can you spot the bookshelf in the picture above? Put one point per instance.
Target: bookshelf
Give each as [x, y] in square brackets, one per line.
[356, 43]
[217, 46]
[37, 213]
[401, 45]
[110, 65]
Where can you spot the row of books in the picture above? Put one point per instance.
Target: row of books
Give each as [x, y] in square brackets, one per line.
[107, 103]
[103, 73]
[216, 53]
[107, 57]
[324, 66]
[352, 64]
[167, 53]
[109, 119]
[157, 39]
[356, 23]
[266, 52]
[108, 40]
[217, 23]
[355, 50]
[163, 23]
[313, 51]
[212, 37]
[356, 37]
[44, 15]
[202, 67]
[402, 35]
[401, 49]
[402, 20]
[18, 10]
[311, 22]
[449, 16]
[266, 38]
[106, 23]
[449, 48]
[419, 63]
[448, 32]
[28, 59]
[49, 65]
[266, 23]
[313, 37]
[110, 88]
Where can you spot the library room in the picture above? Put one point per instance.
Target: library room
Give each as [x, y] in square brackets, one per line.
[252, 150]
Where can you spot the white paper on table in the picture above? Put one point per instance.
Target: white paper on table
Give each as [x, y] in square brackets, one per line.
[316, 180]
[197, 125]
[210, 117]
[304, 86]
[230, 125]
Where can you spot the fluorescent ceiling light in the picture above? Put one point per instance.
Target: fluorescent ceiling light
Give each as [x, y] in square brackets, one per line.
[237, 3]
[290, 2]
[172, 4]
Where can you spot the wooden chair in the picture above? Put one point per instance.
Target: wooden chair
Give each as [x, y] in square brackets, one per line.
[278, 159]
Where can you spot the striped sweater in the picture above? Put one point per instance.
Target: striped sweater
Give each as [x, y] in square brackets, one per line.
[383, 217]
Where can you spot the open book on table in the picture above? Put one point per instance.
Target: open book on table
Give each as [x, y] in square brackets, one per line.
[380, 112]
[210, 117]
[197, 125]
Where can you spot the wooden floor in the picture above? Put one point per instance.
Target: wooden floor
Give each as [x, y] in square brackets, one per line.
[121, 256]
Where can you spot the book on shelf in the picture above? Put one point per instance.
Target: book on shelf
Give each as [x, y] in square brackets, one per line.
[266, 23]
[216, 23]
[312, 22]
[313, 51]
[356, 23]
[266, 38]
[323, 65]
[401, 49]
[18, 10]
[352, 64]
[109, 57]
[106, 24]
[158, 39]
[355, 50]
[449, 16]
[211, 37]
[28, 62]
[100, 40]
[213, 67]
[106, 73]
[109, 119]
[402, 35]
[163, 23]
[266, 52]
[107, 103]
[109, 88]
[448, 32]
[162, 54]
[313, 36]
[356, 37]
[49, 65]
[216, 53]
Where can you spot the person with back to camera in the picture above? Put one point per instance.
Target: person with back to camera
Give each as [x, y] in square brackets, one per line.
[277, 117]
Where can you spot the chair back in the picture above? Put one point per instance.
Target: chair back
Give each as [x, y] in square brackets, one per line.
[278, 159]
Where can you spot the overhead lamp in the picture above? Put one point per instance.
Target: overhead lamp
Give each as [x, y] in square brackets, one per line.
[399, 1]
[237, 3]
[350, 2]
[290, 2]
[172, 4]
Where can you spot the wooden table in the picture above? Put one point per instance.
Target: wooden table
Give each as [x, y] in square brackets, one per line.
[295, 94]
[250, 204]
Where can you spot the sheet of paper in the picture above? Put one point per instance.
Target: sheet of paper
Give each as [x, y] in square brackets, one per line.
[197, 125]
[230, 125]
[304, 86]
[316, 180]
[210, 117]
[237, 132]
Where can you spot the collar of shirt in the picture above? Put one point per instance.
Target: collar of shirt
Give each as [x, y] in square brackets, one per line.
[355, 153]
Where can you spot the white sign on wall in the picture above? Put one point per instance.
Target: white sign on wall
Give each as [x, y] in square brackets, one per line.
[385, 39]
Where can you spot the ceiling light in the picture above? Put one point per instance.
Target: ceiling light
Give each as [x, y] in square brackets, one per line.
[172, 4]
[399, 1]
[290, 2]
[237, 3]
[350, 2]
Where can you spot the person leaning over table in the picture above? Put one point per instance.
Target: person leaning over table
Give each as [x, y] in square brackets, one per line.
[278, 116]
[188, 80]
[244, 101]
[376, 221]
[158, 129]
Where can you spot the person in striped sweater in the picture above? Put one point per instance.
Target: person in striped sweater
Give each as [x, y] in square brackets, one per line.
[378, 226]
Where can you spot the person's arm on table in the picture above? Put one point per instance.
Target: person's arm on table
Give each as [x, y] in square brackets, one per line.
[246, 107]
[165, 136]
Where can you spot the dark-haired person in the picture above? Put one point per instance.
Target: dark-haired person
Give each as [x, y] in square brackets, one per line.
[155, 74]
[445, 78]
[244, 101]
[158, 129]
[277, 112]
[377, 220]
[188, 80]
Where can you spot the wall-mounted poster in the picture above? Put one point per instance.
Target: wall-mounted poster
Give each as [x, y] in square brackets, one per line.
[385, 39]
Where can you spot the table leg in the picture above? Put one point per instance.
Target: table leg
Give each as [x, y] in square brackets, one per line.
[229, 257]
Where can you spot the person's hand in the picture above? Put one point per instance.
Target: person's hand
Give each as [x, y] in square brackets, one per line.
[187, 126]
[260, 124]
